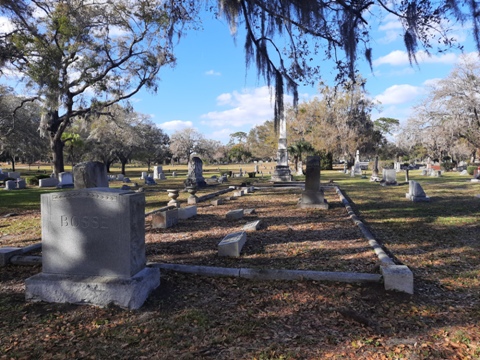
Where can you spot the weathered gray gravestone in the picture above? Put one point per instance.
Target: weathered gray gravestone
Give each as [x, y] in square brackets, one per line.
[93, 249]
[415, 192]
[195, 173]
[158, 173]
[65, 180]
[312, 196]
[90, 174]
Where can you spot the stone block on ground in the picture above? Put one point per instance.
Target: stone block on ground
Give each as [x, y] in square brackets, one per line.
[253, 226]
[397, 277]
[232, 244]
[13, 174]
[238, 193]
[187, 212]
[234, 214]
[10, 185]
[165, 219]
[48, 182]
[249, 211]
[217, 202]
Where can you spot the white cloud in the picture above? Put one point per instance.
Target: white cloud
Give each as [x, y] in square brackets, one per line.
[6, 25]
[400, 94]
[250, 107]
[222, 135]
[400, 58]
[174, 125]
[213, 73]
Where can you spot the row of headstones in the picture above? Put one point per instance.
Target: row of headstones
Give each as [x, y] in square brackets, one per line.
[17, 183]
[170, 216]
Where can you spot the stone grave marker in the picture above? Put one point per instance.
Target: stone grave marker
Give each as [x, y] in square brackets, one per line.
[158, 173]
[195, 173]
[165, 219]
[312, 196]
[65, 180]
[93, 249]
[234, 214]
[416, 192]
[10, 185]
[13, 174]
[90, 174]
[232, 244]
[48, 182]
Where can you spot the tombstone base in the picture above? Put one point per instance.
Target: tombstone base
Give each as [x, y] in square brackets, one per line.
[93, 290]
[313, 200]
[417, 198]
[282, 173]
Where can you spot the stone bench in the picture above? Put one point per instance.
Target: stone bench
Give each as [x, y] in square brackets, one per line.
[232, 244]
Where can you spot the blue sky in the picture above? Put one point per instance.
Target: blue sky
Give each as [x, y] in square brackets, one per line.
[211, 90]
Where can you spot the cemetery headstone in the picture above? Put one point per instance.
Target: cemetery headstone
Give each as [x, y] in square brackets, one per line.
[389, 177]
[10, 185]
[195, 173]
[90, 174]
[416, 192]
[158, 173]
[93, 249]
[165, 219]
[232, 244]
[312, 196]
[65, 180]
[48, 182]
[13, 174]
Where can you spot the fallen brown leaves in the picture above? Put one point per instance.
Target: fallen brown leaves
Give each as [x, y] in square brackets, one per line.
[195, 317]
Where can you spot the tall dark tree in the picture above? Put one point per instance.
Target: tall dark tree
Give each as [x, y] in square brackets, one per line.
[79, 57]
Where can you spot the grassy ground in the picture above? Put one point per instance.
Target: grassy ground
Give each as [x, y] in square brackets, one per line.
[192, 317]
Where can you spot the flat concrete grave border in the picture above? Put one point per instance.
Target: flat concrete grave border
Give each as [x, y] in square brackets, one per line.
[234, 214]
[6, 253]
[232, 244]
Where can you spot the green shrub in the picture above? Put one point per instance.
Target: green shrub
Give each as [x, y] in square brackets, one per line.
[34, 180]
[251, 174]
[448, 166]
[471, 169]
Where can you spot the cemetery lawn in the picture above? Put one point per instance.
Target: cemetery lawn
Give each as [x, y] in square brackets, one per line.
[197, 317]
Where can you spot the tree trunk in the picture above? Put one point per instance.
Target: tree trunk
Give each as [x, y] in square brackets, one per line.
[12, 160]
[57, 155]
[123, 162]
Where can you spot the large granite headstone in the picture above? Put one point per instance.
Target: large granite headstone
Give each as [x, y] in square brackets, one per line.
[312, 196]
[90, 174]
[93, 249]
[195, 173]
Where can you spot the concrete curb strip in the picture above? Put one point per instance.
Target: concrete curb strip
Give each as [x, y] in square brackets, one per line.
[271, 274]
